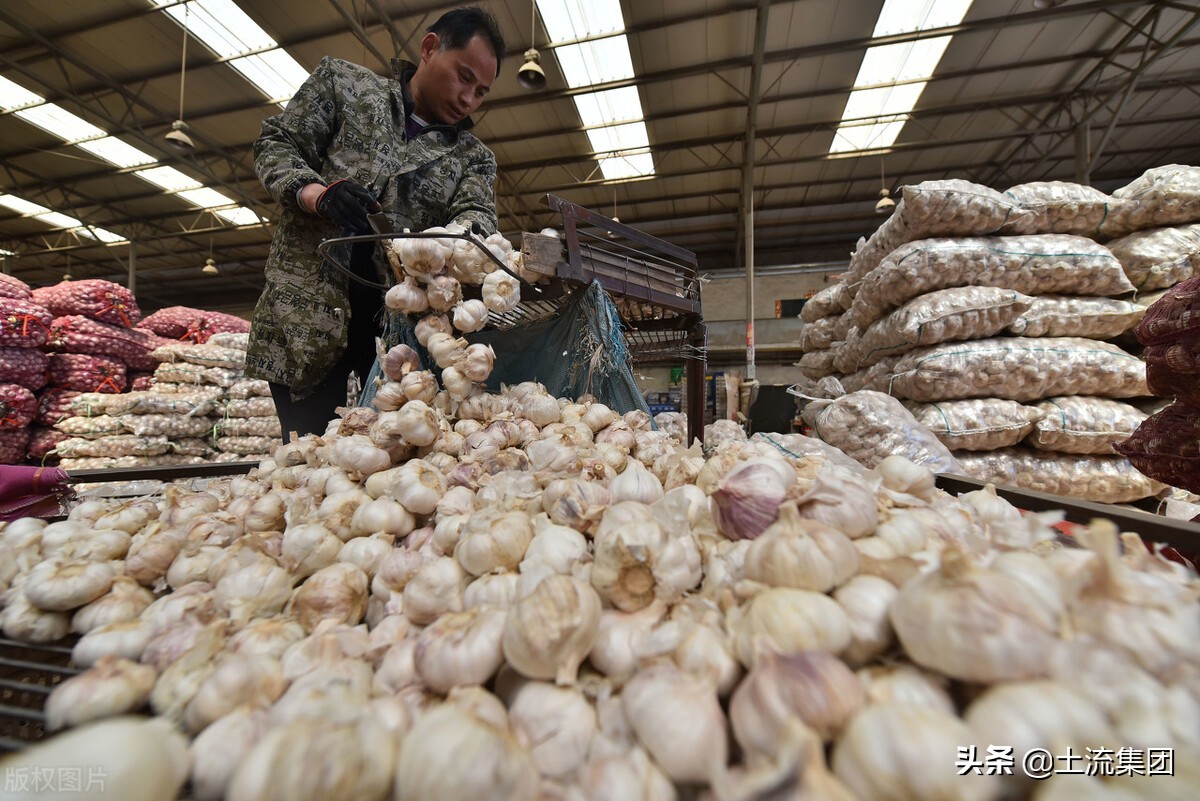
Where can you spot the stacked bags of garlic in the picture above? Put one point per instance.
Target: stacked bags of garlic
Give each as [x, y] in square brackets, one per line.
[988, 315]
[516, 596]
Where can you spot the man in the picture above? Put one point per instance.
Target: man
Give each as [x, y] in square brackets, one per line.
[351, 143]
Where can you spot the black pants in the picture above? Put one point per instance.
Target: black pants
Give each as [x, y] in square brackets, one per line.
[312, 413]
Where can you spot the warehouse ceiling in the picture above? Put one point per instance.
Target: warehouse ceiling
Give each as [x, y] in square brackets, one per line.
[1077, 90]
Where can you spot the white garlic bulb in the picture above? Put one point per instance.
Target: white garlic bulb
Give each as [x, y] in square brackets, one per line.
[788, 620]
[255, 681]
[678, 719]
[492, 539]
[548, 633]
[123, 640]
[270, 637]
[337, 592]
[501, 292]
[219, 749]
[799, 553]
[460, 649]
[435, 589]
[419, 385]
[429, 325]
[555, 723]
[867, 601]
[747, 500]
[381, 516]
[470, 315]
[635, 483]
[443, 293]
[417, 423]
[57, 585]
[906, 684]
[558, 547]
[406, 297]
[624, 563]
[307, 548]
[125, 600]
[498, 590]
[112, 686]
[479, 361]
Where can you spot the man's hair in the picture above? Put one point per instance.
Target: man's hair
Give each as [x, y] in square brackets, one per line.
[456, 28]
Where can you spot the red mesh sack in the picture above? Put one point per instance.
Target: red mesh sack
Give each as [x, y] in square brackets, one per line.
[1174, 317]
[1165, 382]
[23, 323]
[24, 366]
[42, 442]
[196, 325]
[14, 288]
[216, 323]
[18, 406]
[139, 382]
[1166, 447]
[12, 445]
[95, 298]
[54, 405]
[79, 334]
[86, 373]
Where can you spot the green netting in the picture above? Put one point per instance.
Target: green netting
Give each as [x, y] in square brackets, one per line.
[579, 350]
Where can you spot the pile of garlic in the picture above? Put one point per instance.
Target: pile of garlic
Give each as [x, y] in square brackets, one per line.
[463, 596]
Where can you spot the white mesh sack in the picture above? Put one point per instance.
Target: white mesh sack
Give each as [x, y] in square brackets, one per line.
[185, 373]
[98, 425]
[167, 425]
[1106, 479]
[230, 339]
[869, 426]
[825, 303]
[1066, 316]
[1159, 258]
[1161, 196]
[241, 457]
[819, 334]
[201, 355]
[977, 424]
[190, 404]
[817, 364]
[945, 315]
[250, 388]
[192, 446]
[1084, 425]
[116, 445]
[877, 377]
[88, 404]
[250, 407]
[1019, 368]
[1034, 265]
[244, 445]
[1059, 207]
[109, 462]
[250, 427]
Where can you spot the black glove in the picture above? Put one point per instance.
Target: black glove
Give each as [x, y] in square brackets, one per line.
[347, 205]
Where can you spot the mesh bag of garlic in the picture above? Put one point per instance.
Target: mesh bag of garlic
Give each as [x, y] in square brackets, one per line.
[1105, 479]
[1066, 316]
[113, 445]
[877, 377]
[977, 424]
[1166, 446]
[1034, 265]
[1161, 196]
[819, 334]
[192, 446]
[201, 355]
[191, 374]
[1059, 207]
[98, 425]
[870, 426]
[174, 426]
[250, 407]
[1084, 425]
[110, 462]
[1019, 368]
[229, 339]
[945, 315]
[245, 444]
[825, 303]
[250, 388]
[817, 364]
[249, 427]
[1159, 258]
[185, 404]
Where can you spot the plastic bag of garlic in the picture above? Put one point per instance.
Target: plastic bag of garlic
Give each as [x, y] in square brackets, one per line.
[586, 611]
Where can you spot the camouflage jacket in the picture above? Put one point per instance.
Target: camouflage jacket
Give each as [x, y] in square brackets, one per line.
[348, 122]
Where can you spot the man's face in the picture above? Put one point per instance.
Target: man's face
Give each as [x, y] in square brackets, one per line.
[450, 84]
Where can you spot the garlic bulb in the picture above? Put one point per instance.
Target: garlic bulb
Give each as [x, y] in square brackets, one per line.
[867, 601]
[458, 385]
[624, 776]
[501, 292]
[556, 724]
[435, 589]
[446, 350]
[470, 315]
[56, 585]
[427, 769]
[337, 592]
[255, 681]
[124, 640]
[100, 545]
[417, 423]
[179, 682]
[548, 633]
[799, 553]
[963, 620]
[358, 456]
[429, 325]
[366, 553]
[152, 551]
[906, 684]
[421, 257]
[420, 385]
[788, 621]
[443, 293]
[113, 686]
[219, 749]
[635, 483]
[813, 686]
[624, 564]
[894, 752]
[841, 499]
[460, 649]
[678, 719]
[478, 363]
[314, 759]
[748, 498]
[406, 297]
[540, 408]
[266, 638]
[388, 397]
[620, 638]
[397, 669]
[498, 590]
[260, 589]
[399, 361]
[307, 548]
[139, 759]
[381, 516]
[416, 485]
[574, 502]
[125, 600]
[558, 547]
[901, 475]
[492, 540]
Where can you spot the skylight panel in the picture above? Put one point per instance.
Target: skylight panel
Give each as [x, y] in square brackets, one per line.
[221, 25]
[595, 62]
[4, 252]
[275, 73]
[58, 220]
[100, 234]
[876, 136]
[905, 16]
[566, 20]
[14, 96]
[239, 216]
[60, 122]
[114, 151]
[632, 165]
[618, 137]
[205, 198]
[168, 178]
[901, 62]
[609, 106]
[888, 101]
[21, 205]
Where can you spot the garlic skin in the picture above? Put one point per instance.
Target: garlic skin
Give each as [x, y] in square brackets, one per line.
[788, 620]
[678, 719]
[492, 540]
[556, 725]
[428, 769]
[962, 620]
[815, 687]
[799, 553]
[113, 686]
[548, 633]
[470, 316]
[337, 592]
[460, 649]
[397, 669]
[217, 751]
[906, 684]
[894, 752]
[867, 601]
[747, 500]
[314, 759]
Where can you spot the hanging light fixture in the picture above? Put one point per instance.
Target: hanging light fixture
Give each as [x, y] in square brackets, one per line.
[615, 218]
[178, 137]
[531, 76]
[885, 204]
[210, 264]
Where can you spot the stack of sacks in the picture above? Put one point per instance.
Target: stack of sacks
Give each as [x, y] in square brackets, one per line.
[987, 314]
[23, 330]
[193, 325]
[1167, 444]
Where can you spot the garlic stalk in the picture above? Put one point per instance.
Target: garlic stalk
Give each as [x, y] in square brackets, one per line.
[548, 633]
[113, 686]
[460, 649]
